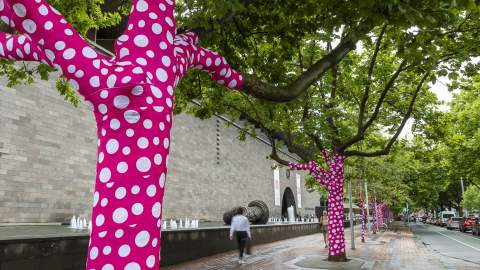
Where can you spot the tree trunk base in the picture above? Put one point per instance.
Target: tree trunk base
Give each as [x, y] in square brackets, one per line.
[338, 258]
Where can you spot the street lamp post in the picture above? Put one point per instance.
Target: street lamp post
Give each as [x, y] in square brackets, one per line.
[352, 231]
[368, 207]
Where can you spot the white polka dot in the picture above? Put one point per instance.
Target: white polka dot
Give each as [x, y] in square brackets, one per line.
[166, 143]
[137, 90]
[156, 210]
[121, 102]
[169, 103]
[114, 124]
[142, 238]
[157, 159]
[161, 181]
[154, 242]
[60, 45]
[137, 209]
[142, 143]
[120, 215]
[69, 54]
[79, 74]
[156, 92]
[143, 164]
[135, 190]
[150, 261]
[112, 146]
[151, 190]
[124, 52]
[120, 193]
[147, 124]
[104, 202]
[124, 251]
[132, 266]
[101, 156]
[232, 84]
[130, 132]
[126, 150]
[29, 26]
[105, 175]
[156, 28]
[141, 41]
[107, 250]
[68, 32]
[119, 233]
[169, 21]
[163, 45]
[96, 197]
[111, 80]
[142, 6]
[162, 75]
[102, 108]
[43, 10]
[108, 267]
[162, 126]
[166, 61]
[48, 25]
[89, 53]
[122, 167]
[156, 141]
[93, 253]
[126, 79]
[170, 90]
[131, 116]
[19, 10]
[100, 220]
[95, 81]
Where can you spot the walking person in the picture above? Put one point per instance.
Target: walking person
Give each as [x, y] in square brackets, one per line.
[240, 228]
[324, 228]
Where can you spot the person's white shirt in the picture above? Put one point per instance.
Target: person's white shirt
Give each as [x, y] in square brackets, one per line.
[240, 224]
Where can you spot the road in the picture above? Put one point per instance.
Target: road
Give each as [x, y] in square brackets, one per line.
[453, 244]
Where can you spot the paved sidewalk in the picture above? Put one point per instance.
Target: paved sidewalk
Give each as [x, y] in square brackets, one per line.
[394, 249]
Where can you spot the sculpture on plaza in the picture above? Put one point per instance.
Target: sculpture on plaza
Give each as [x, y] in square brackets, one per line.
[256, 212]
[132, 96]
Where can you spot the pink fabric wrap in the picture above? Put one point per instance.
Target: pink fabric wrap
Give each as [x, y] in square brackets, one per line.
[132, 96]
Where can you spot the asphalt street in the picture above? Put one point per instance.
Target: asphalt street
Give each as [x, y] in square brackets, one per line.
[453, 244]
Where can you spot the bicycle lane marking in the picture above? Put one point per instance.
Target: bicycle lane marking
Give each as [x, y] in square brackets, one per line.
[467, 245]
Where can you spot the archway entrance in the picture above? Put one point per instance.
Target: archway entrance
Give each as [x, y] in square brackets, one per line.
[287, 201]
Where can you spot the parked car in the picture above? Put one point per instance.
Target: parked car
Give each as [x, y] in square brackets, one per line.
[476, 227]
[445, 216]
[467, 224]
[454, 223]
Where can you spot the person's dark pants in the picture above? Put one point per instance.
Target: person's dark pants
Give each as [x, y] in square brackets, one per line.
[242, 238]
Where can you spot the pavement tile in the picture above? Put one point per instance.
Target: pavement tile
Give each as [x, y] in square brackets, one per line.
[396, 249]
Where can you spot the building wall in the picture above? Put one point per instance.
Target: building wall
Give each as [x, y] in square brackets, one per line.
[48, 153]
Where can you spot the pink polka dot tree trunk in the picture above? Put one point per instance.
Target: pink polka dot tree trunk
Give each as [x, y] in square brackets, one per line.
[132, 95]
[333, 179]
[364, 219]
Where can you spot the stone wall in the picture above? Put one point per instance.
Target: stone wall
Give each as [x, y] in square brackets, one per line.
[48, 152]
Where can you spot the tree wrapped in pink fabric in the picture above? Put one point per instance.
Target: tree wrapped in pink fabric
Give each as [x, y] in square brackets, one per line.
[333, 179]
[132, 95]
[364, 218]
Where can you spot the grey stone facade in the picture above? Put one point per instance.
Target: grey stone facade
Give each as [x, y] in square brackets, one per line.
[48, 153]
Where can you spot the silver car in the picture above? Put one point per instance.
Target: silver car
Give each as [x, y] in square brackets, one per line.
[454, 223]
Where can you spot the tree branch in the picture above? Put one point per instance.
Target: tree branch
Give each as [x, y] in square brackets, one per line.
[392, 141]
[262, 90]
[361, 133]
[366, 94]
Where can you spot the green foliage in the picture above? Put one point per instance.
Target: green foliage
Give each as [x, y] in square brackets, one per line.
[471, 198]
[85, 16]
[65, 89]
